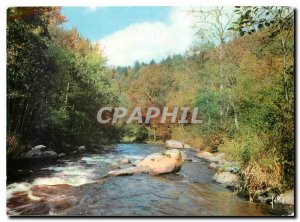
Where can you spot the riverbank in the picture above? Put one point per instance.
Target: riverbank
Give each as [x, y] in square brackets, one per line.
[230, 175]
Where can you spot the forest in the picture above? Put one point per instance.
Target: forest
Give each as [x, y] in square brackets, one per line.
[240, 74]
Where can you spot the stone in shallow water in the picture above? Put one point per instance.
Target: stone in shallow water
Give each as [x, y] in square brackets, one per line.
[166, 162]
[287, 198]
[209, 156]
[177, 144]
[227, 178]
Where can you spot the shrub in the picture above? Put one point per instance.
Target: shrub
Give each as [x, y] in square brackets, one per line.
[243, 148]
[188, 134]
[14, 147]
[260, 166]
[259, 177]
[212, 142]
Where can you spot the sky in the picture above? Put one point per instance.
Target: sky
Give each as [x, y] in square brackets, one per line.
[128, 34]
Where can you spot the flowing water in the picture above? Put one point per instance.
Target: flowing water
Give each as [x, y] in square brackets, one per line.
[77, 186]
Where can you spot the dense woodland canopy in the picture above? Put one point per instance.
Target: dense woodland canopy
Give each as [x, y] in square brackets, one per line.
[242, 82]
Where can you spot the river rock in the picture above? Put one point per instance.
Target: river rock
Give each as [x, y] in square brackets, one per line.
[174, 144]
[39, 154]
[154, 164]
[286, 198]
[166, 162]
[213, 166]
[40, 147]
[227, 178]
[177, 144]
[209, 156]
[279, 209]
[81, 149]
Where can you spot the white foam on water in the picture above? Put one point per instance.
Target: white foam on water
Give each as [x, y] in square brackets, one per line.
[74, 181]
[17, 187]
[71, 171]
[100, 159]
[52, 180]
[32, 197]
[71, 174]
[74, 175]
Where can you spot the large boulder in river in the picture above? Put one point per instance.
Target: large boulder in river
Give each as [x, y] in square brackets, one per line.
[155, 164]
[166, 162]
[176, 144]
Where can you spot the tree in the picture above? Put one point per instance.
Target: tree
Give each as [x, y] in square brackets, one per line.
[56, 81]
[212, 26]
[278, 24]
[30, 70]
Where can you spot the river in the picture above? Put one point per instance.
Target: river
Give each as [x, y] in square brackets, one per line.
[75, 186]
